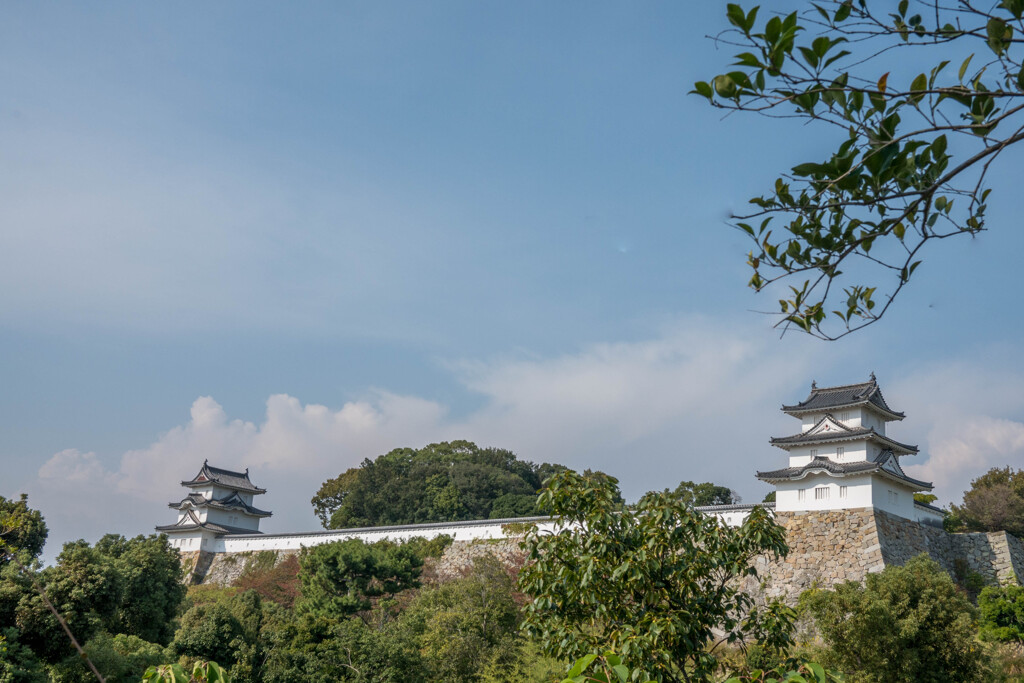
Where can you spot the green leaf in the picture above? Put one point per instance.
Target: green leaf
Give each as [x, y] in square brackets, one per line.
[844, 11]
[736, 16]
[918, 85]
[807, 169]
[1000, 34]
[581, 665]
[963, 67]
[810, 56]
[1014, 7]
[702, 88]
[747, 59]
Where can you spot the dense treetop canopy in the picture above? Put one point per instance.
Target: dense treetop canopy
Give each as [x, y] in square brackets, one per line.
[705, 493]
[22, 529]
[442, 482]
[995, 502]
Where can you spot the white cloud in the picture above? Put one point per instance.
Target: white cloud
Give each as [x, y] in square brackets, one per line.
[698, 401]
[972, 412]
[965, 448]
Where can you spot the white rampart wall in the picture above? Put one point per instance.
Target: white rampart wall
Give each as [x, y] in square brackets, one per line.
[733, 515]
[485, 529]
[928, 515]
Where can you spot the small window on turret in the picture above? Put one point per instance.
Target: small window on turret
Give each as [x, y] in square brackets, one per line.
[840, 452]
[814, 452]
[845, 416]
[842, 492]
[801, 494]
[821, 493]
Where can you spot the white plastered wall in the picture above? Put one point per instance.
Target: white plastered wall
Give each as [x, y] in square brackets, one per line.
[894, 497]
[853, 451]
[858, 493]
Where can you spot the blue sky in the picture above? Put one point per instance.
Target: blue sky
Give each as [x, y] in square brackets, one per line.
[291, 239]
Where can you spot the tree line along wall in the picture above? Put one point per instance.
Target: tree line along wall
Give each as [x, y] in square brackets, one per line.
[826, 548]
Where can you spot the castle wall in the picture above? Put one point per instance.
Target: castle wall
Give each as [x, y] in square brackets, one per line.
[827, 547]
[459, 531]
[830, 547]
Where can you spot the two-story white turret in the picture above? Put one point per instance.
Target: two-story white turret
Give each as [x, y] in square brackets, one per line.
[842, 457]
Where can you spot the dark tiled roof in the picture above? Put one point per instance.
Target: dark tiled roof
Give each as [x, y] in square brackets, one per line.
[232, 502]
[840, 433]
[846, 396]
[226, 478]
[734, 507]
[191, 523]
[196, 499]
[842, 469]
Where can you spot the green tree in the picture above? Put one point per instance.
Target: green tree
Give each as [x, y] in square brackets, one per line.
[464, 626]
[1001, 611]
[441, 482]
[84, 587]
[912, 147]
[22, 529]
[904, 624]
[18, 664]
[705, 493]
[151, 576]
[201, 672]
[325, 648]
[654, 581]
[210, 632]
[120, 658]
[995, 502]
[343, 578]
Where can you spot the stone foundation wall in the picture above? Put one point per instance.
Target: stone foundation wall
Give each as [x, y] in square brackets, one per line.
[830, 547]
[458, 558]
[826, 548]
[223, 569]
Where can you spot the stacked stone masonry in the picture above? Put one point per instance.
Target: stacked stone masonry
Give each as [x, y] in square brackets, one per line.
[826, 548]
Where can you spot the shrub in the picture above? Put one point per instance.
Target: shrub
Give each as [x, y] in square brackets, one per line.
[907, 623]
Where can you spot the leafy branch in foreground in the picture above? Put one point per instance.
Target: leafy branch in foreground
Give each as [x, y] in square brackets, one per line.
[202, 672]
[863, 214]
[657, 582]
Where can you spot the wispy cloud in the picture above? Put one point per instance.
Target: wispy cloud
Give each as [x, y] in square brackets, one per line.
[972, 412]
[697, 401]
